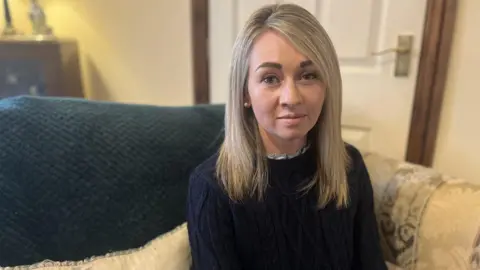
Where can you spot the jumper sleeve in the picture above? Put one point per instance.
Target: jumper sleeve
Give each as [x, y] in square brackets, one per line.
[368, 253]
[210, 226]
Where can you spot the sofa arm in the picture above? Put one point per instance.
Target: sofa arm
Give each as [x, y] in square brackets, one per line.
[449, 235]
[426, 220]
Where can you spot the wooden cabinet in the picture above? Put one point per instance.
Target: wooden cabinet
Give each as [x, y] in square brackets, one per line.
[40, 67]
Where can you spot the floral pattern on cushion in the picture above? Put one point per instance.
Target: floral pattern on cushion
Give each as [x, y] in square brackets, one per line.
[475, 260]
[427, 220]
[400, 210]
[450, 225]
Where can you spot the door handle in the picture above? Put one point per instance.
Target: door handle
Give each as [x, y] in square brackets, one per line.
[403, 53]
[390, 50]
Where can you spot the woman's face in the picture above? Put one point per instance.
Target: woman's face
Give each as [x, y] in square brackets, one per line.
[285, 92]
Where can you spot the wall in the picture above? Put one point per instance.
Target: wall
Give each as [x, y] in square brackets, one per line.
[458, 143]
[131, 52]
[18, 10]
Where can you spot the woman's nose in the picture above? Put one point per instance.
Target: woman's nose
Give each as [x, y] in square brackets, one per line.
[290, 95]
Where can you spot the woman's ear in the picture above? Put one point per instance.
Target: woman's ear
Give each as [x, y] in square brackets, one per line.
[246, 99]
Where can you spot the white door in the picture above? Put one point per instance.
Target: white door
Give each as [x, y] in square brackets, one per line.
[377, 104]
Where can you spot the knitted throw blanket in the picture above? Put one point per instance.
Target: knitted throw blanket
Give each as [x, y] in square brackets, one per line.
[80, 178]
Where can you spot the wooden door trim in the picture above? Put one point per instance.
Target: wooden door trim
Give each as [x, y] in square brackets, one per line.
[199, 30]
[430, 86]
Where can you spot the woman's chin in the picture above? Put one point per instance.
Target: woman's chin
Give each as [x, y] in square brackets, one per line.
[292, 135]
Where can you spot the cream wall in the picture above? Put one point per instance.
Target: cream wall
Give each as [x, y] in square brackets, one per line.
[132, 51]
[18, 10]
[458, 144]
[142, 54]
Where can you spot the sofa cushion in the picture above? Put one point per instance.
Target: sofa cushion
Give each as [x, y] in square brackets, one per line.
[167, 252]
[82, 178]
[427, 220]
[450, 231]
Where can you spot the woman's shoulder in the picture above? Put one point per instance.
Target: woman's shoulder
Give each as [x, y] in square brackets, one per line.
[205, 199]
[357, 170]
[207, 167]
[203, 176]
[358, 176]
[355, 158]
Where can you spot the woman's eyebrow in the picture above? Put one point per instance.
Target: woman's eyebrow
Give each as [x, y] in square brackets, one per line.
[306, 63]
[270, 65]
[303, 64]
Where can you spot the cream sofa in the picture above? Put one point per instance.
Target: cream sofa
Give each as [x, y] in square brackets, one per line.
[427, 220]
[128, 166]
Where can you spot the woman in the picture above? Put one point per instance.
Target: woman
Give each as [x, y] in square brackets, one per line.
[284, 191]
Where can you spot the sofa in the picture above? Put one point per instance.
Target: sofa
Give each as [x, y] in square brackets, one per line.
[102, 185]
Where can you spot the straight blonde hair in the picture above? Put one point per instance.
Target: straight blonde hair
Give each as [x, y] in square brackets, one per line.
[242, 164]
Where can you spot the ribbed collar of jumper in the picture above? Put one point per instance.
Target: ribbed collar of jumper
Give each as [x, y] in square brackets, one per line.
[304, 164]
[293, 172]
[289, 156]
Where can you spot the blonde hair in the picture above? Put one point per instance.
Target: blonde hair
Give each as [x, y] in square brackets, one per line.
[242, 164]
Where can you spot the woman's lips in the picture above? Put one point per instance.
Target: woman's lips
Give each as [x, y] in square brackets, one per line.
[292, 120]
[292, 116]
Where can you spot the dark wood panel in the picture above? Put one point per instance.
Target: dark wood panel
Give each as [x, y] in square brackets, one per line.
[430, 87]
[200, 51]
[42, 54]
[71, 74]
[56, 62]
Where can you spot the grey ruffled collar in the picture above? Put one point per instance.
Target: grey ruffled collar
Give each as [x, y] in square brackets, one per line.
[287, 156]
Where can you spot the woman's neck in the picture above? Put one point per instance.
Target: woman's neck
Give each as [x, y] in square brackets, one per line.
[275, 145]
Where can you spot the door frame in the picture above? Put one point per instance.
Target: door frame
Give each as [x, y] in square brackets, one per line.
[438, 31]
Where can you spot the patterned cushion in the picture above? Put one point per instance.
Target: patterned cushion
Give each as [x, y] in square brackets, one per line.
[427, 220]
[167, 252]
[449, 235]
[81, 178]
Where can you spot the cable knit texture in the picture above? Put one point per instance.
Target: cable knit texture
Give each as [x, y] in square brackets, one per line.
[285, 230]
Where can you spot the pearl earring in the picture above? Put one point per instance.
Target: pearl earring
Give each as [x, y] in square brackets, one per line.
[246, 105]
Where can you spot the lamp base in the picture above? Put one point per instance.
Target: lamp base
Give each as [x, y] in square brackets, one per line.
[39, 20]
[9, 31]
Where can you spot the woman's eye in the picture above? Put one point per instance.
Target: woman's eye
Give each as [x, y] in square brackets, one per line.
[270, 79]
[309, 76]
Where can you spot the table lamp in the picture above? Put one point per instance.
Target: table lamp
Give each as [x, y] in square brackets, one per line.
[37, 18]
[9, 29]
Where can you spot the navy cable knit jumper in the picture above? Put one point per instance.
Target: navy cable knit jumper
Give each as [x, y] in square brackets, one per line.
[286, 230]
